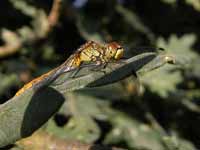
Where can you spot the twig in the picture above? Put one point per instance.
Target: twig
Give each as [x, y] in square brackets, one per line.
[54, 13]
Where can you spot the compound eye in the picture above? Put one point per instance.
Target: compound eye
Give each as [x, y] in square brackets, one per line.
[119, 53]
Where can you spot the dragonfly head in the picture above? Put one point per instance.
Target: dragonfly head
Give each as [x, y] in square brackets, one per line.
[114, 50]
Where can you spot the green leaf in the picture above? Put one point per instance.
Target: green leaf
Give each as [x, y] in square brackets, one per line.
[174, 142]
[139, 135]
[136, 134]
[161, 81]
[24, 114]
[82, 128]
[24, 7]
[165, 80]
[181, 48]
[77, 104]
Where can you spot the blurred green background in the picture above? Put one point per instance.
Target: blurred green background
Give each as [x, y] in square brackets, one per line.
[161, 112]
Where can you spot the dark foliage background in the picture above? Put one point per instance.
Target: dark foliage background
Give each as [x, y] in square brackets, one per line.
[161, 112]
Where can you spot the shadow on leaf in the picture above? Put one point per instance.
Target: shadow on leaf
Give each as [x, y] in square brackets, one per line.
[44, 103]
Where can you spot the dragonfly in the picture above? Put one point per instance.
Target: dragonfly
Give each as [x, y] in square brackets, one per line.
[90, 52]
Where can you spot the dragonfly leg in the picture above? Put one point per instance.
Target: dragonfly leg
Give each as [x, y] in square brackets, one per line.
[83, 66]
[99, 67]
[103, 65]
